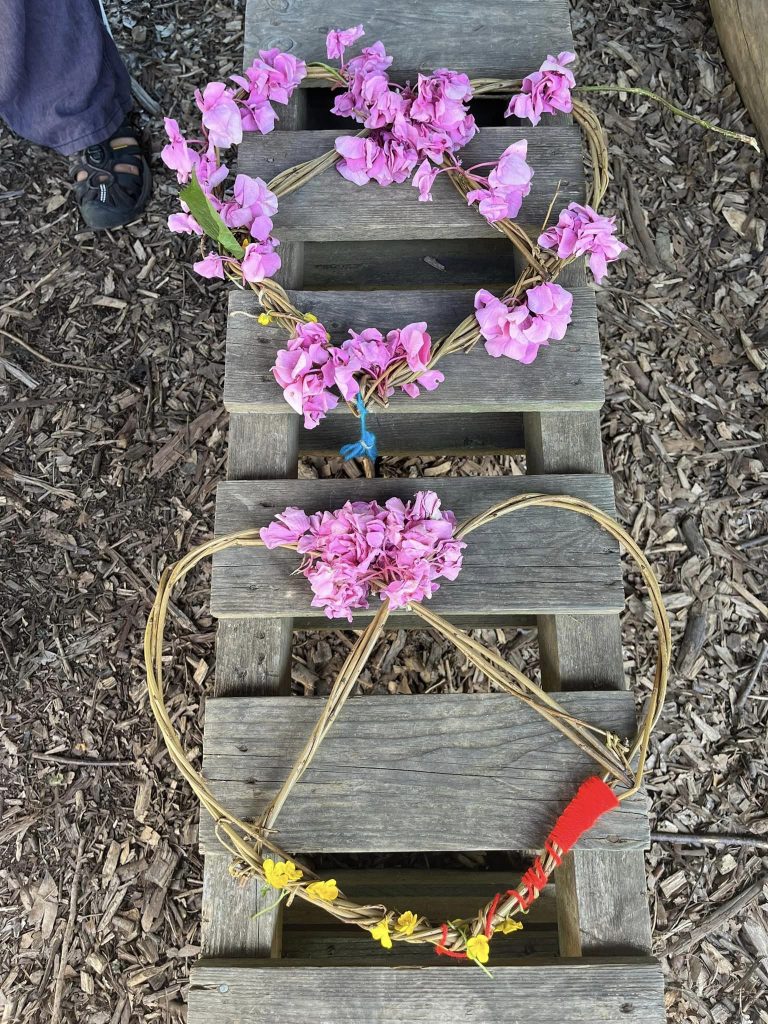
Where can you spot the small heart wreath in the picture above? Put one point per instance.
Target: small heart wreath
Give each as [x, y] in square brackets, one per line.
[397, 552]
[407, 131]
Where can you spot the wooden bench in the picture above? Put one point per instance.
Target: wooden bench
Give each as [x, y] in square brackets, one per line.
[590, 932]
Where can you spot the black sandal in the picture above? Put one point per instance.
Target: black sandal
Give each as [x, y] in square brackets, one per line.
[108, 198]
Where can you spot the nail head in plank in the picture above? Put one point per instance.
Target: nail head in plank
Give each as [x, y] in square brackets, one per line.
[534, 561]
[567, 374]
[579, 991]
[329, 208]
[426, 772]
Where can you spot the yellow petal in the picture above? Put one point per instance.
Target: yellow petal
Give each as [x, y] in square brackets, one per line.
[406, 923]
[478, 949]
[509, 926]
[310, 318]
[264, 319]
[324, 890]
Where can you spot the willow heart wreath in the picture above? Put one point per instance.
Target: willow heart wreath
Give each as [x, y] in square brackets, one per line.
[397, 552]
[407, 132]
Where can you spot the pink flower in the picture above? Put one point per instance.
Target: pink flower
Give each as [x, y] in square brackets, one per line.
[275, 75]
[424, 179]
[339, 39]
[380, 157]
[398, 550]
[551, 304]
[581, 231]
[209, 172]
[211, 266]
[291, 525]
[257, 115]
[508, 184]
[251, 207]
[260, 261]
[545, 91]
[518, 330]
[221, 115]
[306, 372]
[184, 223]
[176, 154]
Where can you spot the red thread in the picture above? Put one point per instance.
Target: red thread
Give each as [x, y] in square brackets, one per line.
[591, 802]
[442, 951]
[524, 901]
[535, 878]
[489, 915]
[549, 847]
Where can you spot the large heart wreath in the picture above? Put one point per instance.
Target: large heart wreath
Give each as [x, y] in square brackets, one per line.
[411, 131]
[397, 552]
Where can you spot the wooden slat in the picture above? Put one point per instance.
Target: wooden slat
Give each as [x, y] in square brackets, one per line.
[566, 375]
[455, 35]
[330, 208]
[419, 263]
[602, 898]
[533, 562]
[437, 434]
[434, 772]
[253, 656]
[580, 992]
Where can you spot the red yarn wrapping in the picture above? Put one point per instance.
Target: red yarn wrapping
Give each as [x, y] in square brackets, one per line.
[535, 878]
[442, 951]
[592, 800]
[489, 915]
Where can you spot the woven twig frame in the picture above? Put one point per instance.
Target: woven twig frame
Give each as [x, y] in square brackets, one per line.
[247, 841]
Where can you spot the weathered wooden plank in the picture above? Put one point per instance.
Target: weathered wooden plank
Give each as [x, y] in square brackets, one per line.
[742, 28]
[434, 772]
[454, 35]
[578, 991]
[533, 562]
[440, 433]
[602, 899]
[566, 375]
[330, 208]
[253, 656]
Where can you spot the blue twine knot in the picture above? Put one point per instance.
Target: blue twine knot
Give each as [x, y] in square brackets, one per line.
[365, 448]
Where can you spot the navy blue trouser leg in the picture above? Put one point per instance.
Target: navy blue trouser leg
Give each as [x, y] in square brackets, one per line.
[62, 82]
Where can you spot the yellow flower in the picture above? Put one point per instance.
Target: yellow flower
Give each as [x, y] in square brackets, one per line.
[324, 890]
[281, 874]
[478, 949]
[310, 318]
[508, 926]
[264, 319]
[406, 923]
[380, 931]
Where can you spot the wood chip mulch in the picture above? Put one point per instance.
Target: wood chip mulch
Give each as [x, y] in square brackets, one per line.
[112, 439]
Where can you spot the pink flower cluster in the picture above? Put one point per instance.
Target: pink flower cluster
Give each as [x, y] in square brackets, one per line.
[545, 91]
[249, 208]
[226, 114]
[397, 550]
[581, 231]
[501, 194]
[310, 366]
[406, 124]
[519, 329]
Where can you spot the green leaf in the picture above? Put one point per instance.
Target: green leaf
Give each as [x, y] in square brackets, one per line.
[206, 216]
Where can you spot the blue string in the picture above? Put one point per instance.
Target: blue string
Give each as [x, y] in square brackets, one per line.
[365, 448]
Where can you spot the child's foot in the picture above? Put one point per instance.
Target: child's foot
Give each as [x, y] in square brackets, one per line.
[112, 180]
